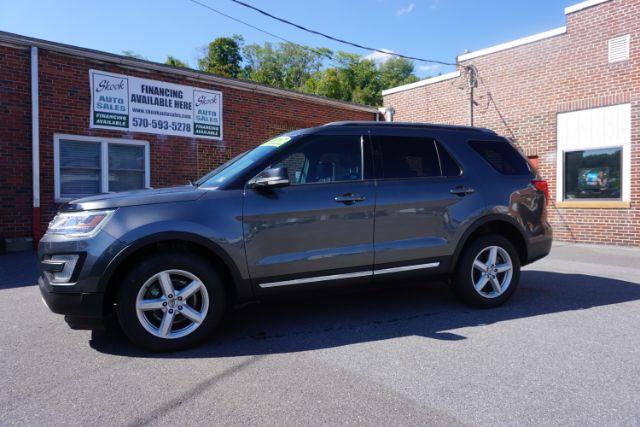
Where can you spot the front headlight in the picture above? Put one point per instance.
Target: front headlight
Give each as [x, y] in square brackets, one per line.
[79, 224]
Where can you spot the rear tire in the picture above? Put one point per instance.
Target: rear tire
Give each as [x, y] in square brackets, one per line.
[171, 301]
[488, 272]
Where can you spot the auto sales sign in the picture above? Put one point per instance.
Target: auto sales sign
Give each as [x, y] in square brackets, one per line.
[129, 103]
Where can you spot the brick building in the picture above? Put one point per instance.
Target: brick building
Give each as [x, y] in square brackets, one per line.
[570, 97]
[61, 137]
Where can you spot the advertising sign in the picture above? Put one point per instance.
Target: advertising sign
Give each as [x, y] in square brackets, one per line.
[133, 104]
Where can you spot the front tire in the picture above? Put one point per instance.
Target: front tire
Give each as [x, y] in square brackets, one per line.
[488, 272]
[170, 302]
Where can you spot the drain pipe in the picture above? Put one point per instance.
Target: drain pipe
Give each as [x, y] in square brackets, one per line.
[35, 146]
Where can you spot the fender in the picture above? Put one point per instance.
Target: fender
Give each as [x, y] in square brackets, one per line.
[479, 223]
[242, 286]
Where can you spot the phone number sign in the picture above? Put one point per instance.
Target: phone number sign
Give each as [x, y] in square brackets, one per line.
[129, 103]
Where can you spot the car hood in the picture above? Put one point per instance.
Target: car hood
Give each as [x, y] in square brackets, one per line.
[134, 198]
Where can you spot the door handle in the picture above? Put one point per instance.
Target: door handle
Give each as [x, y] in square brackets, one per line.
[461, 191]
[349, 198]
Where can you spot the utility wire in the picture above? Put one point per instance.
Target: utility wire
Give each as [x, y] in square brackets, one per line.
[359, 46]
[515, 141]
[495, 106]
[318, 52]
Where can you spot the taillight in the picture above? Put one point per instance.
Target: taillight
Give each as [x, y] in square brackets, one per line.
[542, 185]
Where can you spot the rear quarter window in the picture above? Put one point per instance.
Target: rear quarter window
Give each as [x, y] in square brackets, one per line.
[502, 156]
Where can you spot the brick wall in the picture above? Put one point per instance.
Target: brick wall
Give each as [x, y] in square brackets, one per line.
[15, 142]
[531, 84]
[249, 117]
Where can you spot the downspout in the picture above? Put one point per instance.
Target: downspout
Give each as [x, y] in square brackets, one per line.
[35, 146]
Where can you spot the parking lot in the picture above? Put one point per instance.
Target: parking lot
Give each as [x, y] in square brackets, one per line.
[564, 350]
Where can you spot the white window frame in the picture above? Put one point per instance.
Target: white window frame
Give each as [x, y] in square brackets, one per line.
[104, 160]
[618, 135]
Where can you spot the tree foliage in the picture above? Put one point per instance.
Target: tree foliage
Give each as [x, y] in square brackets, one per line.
[319, 71]
[172, 60]
[284, 65]
[223, 56]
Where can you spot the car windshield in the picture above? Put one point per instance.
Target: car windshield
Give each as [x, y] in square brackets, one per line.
[242, 162]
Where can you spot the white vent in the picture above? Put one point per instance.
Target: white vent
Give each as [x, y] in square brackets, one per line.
[619, 49]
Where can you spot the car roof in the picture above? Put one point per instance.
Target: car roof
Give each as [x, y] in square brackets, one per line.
[404, 125]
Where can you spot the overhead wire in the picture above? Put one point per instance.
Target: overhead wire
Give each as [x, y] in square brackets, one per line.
[219, 12]
[339, 40]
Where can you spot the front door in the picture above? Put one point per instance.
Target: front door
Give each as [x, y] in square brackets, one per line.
[319, 229]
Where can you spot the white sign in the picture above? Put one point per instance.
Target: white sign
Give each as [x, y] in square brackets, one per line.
[140, 105]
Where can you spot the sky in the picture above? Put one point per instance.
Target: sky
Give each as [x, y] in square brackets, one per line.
[431, 29]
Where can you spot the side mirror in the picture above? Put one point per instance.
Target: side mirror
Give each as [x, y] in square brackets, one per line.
[270, 178]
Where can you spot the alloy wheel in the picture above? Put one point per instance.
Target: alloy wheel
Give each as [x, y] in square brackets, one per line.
[172, 304]
[492, 271]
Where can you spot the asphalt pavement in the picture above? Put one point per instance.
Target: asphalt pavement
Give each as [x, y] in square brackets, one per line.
[565, 350]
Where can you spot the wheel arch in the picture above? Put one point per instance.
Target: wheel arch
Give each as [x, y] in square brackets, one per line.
[202, 246]
[495, 223]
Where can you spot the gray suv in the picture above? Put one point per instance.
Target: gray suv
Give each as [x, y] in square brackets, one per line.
[342, 204]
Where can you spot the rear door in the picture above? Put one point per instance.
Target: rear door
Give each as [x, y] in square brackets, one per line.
[423, 196]
[319, 229]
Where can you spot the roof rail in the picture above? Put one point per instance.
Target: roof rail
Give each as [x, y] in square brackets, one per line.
[434, 126]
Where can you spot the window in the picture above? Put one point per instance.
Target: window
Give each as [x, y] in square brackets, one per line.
[502, 156]
[325, 159]
[593, 160]
[449, 166]
[79, 168]
[407, 157]
[126, 167]
[86, 166]
[593, 174]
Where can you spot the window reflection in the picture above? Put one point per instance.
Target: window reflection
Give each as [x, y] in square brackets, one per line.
[593, 174]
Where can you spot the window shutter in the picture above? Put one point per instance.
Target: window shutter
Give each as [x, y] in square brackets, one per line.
[619, 48]
[79, 169]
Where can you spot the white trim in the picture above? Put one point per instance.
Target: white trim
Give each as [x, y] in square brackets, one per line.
[104, 160]
[349, 275]
[421, 83]
[198, 76]
[406, 268]
[514, 43]
[316, 279]
[582, 5]
[35, 129]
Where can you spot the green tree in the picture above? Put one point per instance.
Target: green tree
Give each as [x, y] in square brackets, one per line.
[284, 65]
[223, 56]
[353, 79]
[172, 60]
[396, 71]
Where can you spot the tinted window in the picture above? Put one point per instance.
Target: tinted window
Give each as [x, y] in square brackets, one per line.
[593, 174]
[405, 157]
[502, 156]
[325, 159]
[449, 166]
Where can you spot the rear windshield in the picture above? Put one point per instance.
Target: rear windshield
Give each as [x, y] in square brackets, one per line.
[502, 156]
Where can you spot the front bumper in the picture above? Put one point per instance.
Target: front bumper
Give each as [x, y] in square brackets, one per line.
[81, 310]
[82, 301]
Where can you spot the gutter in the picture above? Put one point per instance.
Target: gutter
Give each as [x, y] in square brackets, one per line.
[35, 146]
